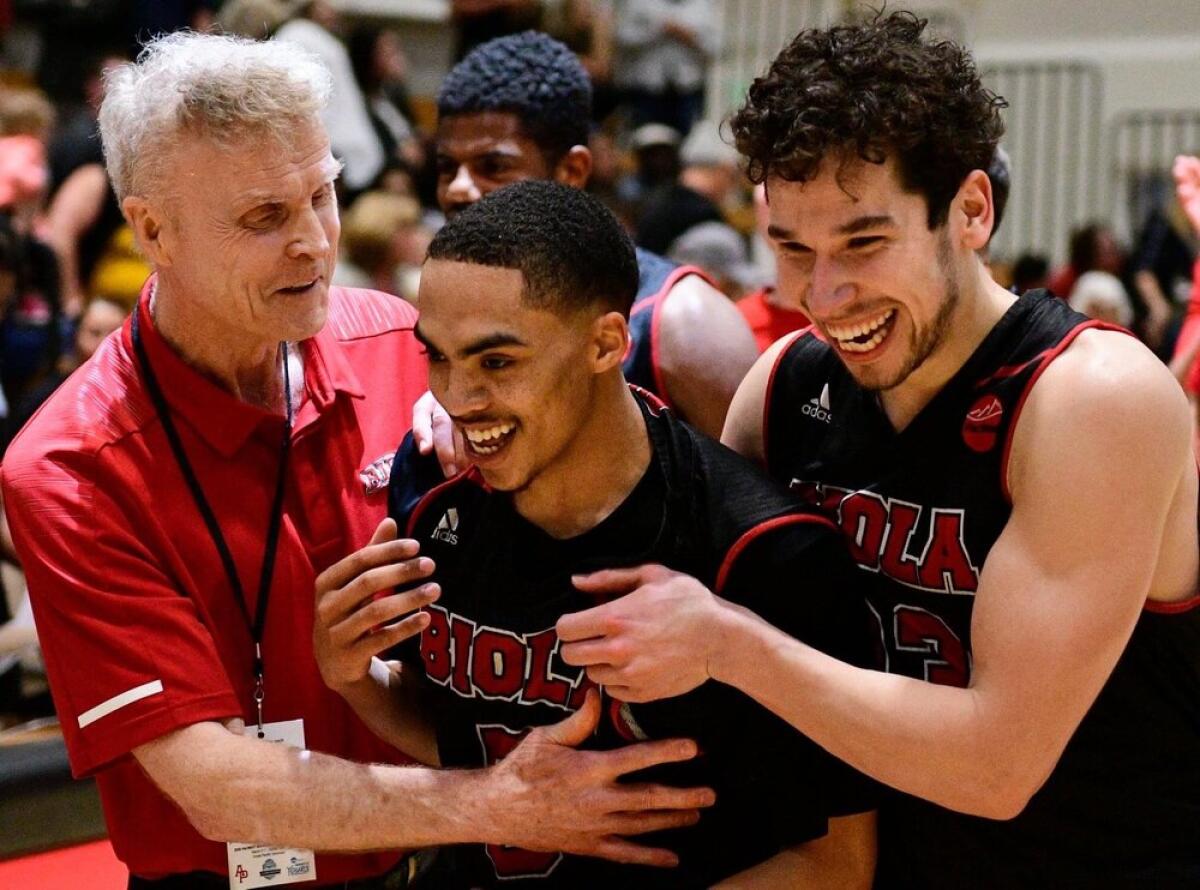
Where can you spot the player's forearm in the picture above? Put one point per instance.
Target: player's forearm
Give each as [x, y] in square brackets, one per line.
[936, 742]
[844, 859]
[234, 788]
[390, 708]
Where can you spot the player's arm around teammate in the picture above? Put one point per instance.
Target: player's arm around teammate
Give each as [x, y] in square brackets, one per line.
[1089, 539]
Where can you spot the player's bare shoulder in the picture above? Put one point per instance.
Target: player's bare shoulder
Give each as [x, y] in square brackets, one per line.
[1107, 400]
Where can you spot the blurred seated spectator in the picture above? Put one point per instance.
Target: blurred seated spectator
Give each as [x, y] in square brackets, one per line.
[478, 21]
[1030, 271]
[655, 149]
[383, 245]
[1100, 295]
[663, 49]
[94, 245]
[381, 68]
[586, 27]
[720, 250]
[1162, 273]
[256, 19]
[351, 134]
[1184, 364]
[76, 139]
[30, 299]
[708, 179]
[1092, 247]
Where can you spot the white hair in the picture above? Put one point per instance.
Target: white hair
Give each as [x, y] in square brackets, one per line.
[216, 87]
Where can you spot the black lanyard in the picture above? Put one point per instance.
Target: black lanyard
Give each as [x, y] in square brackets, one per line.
[257, 622]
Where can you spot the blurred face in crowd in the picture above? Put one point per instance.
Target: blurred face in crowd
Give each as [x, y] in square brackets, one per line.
[248, 233]
[518, 381]
[100, 319]
[478, 153]
[856, 254]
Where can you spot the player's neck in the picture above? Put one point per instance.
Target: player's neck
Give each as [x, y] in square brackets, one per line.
[982, 303]
[602, 465]
[247, 368]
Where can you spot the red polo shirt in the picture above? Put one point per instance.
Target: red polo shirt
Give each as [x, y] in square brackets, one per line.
[767, 321]
[140, 630]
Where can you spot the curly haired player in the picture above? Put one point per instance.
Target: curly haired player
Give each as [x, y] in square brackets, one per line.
[1015, 483]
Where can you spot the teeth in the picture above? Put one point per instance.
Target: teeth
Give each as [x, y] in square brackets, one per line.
[479, 437]
[855, 346]
[846, 333]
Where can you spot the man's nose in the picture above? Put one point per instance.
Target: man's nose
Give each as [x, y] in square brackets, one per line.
[829, 289]
[309, 238]
[462, 188]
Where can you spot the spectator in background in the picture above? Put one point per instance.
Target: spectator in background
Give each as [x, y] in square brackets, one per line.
[1162, 273]
[345, 118]
[1091, 247]
[586, 27]
[381, 68]
[76, 139]
[719, 250]
[663, 51]
[383, 245]
[256, 19]
[1184, 364]
[31, 323]
[478, 21]
[1101, 295]
[655, 150]
[708, 179]
[1030, 271]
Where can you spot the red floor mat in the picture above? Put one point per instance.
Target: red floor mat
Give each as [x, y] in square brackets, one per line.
[93, 866]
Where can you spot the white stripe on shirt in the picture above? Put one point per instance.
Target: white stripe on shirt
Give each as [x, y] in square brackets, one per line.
[128, 697]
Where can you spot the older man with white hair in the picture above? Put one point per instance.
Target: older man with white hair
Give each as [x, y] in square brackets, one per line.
[175, 501]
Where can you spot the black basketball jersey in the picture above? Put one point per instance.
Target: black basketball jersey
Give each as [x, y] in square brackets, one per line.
[491, 658]
[920, 510]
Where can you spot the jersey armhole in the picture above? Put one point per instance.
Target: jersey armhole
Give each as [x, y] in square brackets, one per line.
[1047, 358]
[770, 391]
[471, 474]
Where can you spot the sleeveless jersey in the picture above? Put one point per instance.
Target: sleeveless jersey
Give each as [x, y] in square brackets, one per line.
[490, 654]
[920, 510]
[656, 277]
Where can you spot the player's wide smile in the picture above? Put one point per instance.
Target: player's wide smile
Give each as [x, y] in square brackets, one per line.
[862, 340]
[487, 441]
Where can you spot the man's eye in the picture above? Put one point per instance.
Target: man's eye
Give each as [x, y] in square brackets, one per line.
[865, 242]
[433, 356]
[495, 363]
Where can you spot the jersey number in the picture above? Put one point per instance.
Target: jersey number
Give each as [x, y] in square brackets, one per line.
[922, 645]
[512, 862]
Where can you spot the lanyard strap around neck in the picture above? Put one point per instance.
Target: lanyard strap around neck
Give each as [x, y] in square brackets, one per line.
[256, 623]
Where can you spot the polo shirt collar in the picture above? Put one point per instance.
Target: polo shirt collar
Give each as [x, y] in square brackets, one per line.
[220, 419]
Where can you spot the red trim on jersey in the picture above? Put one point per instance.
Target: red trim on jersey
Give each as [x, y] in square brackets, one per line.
[1048, 356]
[471, 474]
[653, 402]
[766, 408]
[656, 303]
[762, 528]
[1158, 607]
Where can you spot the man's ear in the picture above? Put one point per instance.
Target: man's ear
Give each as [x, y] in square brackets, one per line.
[575, 167]
[972, 211]
[148, 222]
[610, 336]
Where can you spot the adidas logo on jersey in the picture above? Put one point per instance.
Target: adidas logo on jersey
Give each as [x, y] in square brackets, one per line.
[447, 527]
[819, 407]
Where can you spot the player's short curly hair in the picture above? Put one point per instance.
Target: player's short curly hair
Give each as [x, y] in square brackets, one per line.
[572, 251]
[870, 91]
[532, 76]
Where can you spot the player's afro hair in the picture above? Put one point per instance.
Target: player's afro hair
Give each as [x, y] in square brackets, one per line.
[532, 76]
[868, 92]
[571, 250]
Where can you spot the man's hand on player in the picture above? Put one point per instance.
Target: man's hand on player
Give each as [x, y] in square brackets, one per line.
[655, 641]
[547, 796]
[433, 430]
[352, 623]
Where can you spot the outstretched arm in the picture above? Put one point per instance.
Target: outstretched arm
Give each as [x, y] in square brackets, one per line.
[1058, 598]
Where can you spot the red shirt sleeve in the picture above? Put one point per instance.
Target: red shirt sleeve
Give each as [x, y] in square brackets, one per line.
[1190, 331]
[127, 655]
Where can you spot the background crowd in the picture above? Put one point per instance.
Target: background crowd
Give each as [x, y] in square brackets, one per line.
[69, 272]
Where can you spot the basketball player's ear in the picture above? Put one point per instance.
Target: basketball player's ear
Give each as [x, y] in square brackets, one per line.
[147, 220]
[610, 339]
[972, 212]
[575, 167]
